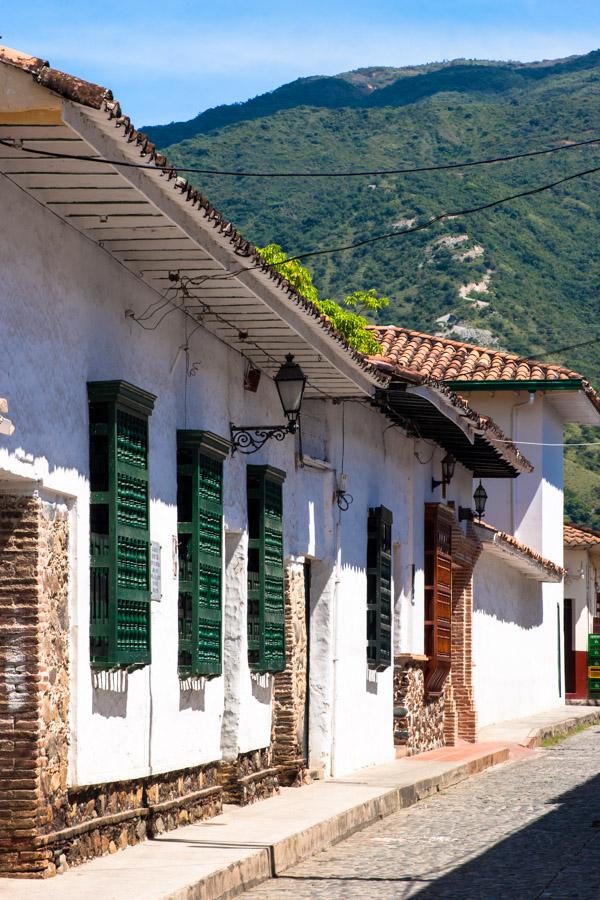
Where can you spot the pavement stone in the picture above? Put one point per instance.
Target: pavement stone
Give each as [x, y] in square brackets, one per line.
[526, 829]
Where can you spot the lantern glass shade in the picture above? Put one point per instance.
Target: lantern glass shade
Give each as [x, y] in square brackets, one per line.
[480, 497]
[290, 382]
[448, 464]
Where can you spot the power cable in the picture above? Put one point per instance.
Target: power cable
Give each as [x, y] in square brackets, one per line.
[18, 144]
[10, 142]
[452, 214]
[366, 241]
[496, 440]
[554, 350]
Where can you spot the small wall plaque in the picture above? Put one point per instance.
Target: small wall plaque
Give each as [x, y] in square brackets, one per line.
[155, 586]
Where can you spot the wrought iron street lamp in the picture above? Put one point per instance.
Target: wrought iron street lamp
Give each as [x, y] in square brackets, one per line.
[448, 466]
[480, 497]
[290, 382]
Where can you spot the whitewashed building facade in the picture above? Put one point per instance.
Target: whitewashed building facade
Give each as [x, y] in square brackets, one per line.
[582, 614]
[517, 630]
[182, 623]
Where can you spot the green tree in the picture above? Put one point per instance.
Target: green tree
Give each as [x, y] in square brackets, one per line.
[346, 317]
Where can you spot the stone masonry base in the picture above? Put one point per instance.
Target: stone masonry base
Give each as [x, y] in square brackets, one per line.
[47, 826]
[108, 817]
[250, 777]
[424, 723]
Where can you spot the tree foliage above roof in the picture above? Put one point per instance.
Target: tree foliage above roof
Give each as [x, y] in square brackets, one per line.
[345, 317]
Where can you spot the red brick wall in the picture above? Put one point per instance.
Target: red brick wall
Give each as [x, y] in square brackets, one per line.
[460, 718]
[20, 687]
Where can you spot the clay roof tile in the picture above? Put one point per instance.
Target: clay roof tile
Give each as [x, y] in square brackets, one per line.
[450, 360]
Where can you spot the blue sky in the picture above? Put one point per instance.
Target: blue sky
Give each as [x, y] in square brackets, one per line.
[171, 60]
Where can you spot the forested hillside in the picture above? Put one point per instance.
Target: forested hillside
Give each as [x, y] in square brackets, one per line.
[525, 276]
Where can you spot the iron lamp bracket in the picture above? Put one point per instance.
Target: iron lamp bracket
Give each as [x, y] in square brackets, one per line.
[253, 437]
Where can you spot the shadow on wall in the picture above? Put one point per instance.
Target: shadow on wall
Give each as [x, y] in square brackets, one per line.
[109, 693]
[192, 694]
[372, 682]
[262, 688]
[507, 595]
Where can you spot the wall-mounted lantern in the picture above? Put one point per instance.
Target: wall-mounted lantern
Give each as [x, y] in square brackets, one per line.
[480, 497]
[290, 382]
[448, 466]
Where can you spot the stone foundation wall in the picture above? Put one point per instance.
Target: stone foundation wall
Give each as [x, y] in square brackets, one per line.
[289, 695]
[424, 722]
[104, 818]
[45, 826]
[53, 649]
[33, 680]
[250, 777]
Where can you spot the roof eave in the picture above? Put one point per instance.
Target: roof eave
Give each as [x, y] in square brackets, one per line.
[523, 559]
[89, 110]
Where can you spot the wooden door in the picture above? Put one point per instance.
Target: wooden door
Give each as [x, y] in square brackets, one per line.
[569, 650]
[438, 596]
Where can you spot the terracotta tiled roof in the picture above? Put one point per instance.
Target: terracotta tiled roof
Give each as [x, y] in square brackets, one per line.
[578, 536]
[98, 97]
[510, 542]
[446, 360]
[485, 425]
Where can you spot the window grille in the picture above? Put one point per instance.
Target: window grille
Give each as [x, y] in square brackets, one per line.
[200, 456]
[119, 524]
[379, 588]
[266, 626]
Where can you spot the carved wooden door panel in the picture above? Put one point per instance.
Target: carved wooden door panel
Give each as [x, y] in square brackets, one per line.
[438, 596]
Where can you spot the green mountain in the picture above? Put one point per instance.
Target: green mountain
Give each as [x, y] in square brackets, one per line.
[524, 276]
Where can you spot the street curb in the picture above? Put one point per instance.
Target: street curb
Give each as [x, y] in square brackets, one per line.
[275, 858]
[535, 737]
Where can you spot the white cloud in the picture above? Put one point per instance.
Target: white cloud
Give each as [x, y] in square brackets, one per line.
[214, 52]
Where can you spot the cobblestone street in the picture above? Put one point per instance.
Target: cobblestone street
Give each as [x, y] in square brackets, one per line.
[522, 830]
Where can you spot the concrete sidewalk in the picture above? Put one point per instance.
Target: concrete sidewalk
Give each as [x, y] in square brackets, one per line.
[532, 730]
[223, 856]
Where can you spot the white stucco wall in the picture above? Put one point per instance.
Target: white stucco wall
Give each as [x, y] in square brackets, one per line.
[64, 324]
[517, 624]
[530, 506]
[581, 583]
[515, 642]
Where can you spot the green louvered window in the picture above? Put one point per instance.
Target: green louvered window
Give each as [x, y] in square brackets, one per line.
[200, 458]
[266, 628]
[379, 588]
[119, 524]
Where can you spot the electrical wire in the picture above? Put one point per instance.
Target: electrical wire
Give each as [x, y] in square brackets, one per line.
[163, 301]
[554, 350]
[233, 173]
[496, 440]
[451, 214]
[342, 498]
[182, 283]
[454, 214]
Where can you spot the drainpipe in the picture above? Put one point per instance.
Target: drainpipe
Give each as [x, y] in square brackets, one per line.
[513, 422]
[336, 583]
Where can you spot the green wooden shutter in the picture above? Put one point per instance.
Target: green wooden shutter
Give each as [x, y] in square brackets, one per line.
[119, 524]
[379, 588]
[200, 458]
[266, 625]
